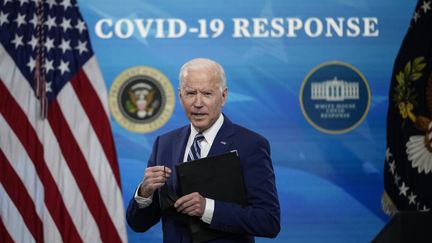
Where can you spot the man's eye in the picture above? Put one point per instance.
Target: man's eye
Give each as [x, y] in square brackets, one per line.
[207, 94]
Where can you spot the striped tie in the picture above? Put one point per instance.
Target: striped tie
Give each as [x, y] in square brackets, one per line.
[195, 149]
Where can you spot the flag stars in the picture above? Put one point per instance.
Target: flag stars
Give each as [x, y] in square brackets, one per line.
[20, 20]
[48, 87]
[388, 154]
[66, 4]
[65, 45]
[403, 189]
[396, 179]
[66, 24]
[64, 67]
[3, 18]
[17, 41]
[81, 47]
[426, 6]
[23, 1]
[48, 65]
[49, 44]
[51, 3]
[34, 21]
[50, 22]
[412, 198]
[33, 42]
[425, 209]
[392, 167]
[31, 64]
[80, 26]
[416, 16]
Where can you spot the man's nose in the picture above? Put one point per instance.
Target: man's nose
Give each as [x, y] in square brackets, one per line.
[198, 100]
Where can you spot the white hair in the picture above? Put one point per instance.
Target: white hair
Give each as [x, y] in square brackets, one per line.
[203, 63]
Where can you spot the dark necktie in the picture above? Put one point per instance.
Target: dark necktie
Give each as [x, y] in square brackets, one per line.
[195, 149]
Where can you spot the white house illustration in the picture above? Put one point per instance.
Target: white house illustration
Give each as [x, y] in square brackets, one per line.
[334, 90]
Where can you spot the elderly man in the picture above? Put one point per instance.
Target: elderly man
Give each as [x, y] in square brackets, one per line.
[203, 93]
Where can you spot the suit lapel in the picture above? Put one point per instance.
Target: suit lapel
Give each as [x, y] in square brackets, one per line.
[179, 145]
[223, 140]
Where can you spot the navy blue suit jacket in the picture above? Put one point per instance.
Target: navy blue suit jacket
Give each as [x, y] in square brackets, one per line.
[261, 217]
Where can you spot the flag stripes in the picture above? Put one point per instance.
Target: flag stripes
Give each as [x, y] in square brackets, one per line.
[81, 171]
[15, 224]
[74, 158]
[28, 139]
[22, 200]
[91, 102]
[4, 234]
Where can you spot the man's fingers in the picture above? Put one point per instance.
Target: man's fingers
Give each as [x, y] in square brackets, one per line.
[185, 203]
[159, 168]
[182, 200]
[192, 204]
[154, 178]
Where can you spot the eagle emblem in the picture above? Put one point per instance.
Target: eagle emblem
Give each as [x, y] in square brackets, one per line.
[141, 100]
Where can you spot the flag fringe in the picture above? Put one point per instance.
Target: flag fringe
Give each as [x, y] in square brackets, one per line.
[388, 205]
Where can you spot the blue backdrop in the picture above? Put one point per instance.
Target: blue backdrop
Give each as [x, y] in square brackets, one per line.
[329, 184]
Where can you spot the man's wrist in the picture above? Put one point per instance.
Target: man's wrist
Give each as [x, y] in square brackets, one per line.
[142, 201]
[142, 192]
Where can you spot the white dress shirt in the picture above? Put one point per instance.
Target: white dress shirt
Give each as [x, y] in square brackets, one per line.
[206, 143]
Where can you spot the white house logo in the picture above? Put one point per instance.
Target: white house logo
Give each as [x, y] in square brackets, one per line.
[335, 97]
[335, 90]
[141, 99]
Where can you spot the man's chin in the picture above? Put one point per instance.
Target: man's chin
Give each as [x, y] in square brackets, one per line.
[200, 124]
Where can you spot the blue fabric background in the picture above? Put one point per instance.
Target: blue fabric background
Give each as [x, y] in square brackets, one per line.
[329, 185]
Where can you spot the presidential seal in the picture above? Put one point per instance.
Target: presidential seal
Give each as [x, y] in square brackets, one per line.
[141, 99]
[335, 97]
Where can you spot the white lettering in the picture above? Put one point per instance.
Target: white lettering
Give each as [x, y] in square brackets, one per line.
[144, 28]
[370, 29]
[159, 28]
[172, 27]
[318, 27]
[175, 28]
[240, 28]
[259, 27]
[124, 25]
[353, 28]
[336, 27]
[293, 25]
[99, 27]
[277, 27]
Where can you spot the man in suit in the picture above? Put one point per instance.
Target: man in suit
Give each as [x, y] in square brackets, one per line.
[203, 93]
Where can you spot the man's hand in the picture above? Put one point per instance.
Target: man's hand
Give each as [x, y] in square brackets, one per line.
[154, 178]
[192, 204]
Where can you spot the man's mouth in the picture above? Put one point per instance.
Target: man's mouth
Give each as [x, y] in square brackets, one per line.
[198, 115]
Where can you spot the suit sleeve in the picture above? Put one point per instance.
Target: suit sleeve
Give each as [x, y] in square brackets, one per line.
[142, 219]
[261, 217]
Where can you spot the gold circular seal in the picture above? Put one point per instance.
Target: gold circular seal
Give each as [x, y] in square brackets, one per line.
[141, 99]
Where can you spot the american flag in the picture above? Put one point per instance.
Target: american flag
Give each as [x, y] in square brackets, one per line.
[59, 177]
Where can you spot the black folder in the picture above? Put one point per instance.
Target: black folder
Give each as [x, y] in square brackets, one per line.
[217, 177]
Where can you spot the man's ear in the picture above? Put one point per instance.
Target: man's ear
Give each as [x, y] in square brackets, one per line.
[224, 95]
[180, 97]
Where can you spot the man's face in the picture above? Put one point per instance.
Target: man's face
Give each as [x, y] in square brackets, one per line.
[202, 98]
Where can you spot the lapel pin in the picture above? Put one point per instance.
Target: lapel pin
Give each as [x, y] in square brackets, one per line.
[223, 142]
[234, 151]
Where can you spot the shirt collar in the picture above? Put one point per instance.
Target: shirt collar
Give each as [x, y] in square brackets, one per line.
[211, 132]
